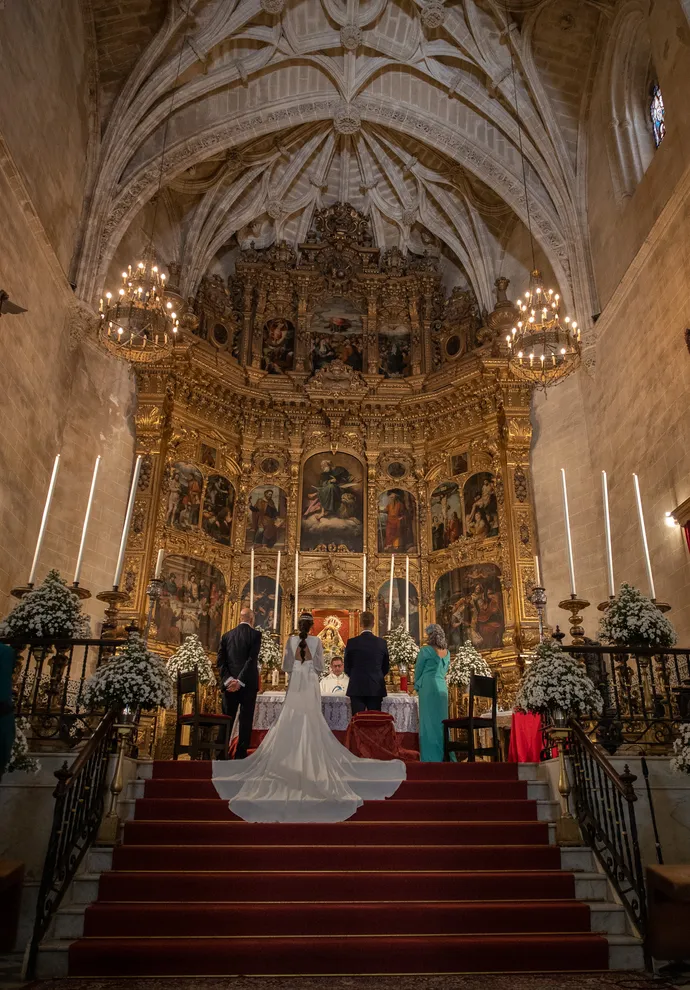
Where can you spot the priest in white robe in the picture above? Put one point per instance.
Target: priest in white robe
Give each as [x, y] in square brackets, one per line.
[337, 680]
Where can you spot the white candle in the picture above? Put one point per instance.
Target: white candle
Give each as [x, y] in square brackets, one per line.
[569, 542]
[364, 583]
[251, 579]
[537, 571]
[44, 520]
[296, 586]
[407, 593]
[80, 555]
[127, 523]
[643, 530]
[607, 530]
[276, 602]
[390, 593]
[159, 565]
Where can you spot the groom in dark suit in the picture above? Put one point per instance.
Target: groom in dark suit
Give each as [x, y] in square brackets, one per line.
[366, 664]
[239, 676]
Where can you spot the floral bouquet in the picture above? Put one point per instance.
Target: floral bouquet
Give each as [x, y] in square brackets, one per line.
[402, 649]
[191, 656]
[680, 763]
[632, 619]
[464, 663]
[20, 758]
[555, 682]
[133, 678]
[50, 611]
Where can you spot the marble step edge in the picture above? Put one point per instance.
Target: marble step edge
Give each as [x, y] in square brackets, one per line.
[625, 953]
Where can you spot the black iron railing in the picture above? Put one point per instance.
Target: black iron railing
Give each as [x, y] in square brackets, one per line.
[646, 693]
[49, 685]
[79, 802]
[604, 804]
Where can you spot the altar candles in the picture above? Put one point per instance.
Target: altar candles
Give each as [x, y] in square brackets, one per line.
[364, 582]
[390, 593]
[44, 520]
[607, 531]
[569, 542]
[537, 572]
[80, 555]
[251, 579]
[159, 565]
[296, 587]
[277, 594]
[643, 530]
[127, 523]
[407, 593]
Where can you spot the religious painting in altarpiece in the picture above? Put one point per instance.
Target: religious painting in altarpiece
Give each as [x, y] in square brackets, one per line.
[266, 518]
[469, 606]
[193, 504]
[336, 332]
[191, 601]
[397, 521]
[332, 503]
[278, 354]
[398, 611]
[264, 601]
[446, 515]
[481, 506]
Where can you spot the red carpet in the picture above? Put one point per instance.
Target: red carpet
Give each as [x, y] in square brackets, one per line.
[453, 874]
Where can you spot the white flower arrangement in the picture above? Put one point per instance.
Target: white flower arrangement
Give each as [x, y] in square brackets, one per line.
[50, 611]
[632, 619]
[555, 681]
[464, 663]
[270, 656]
[191, 656]
[680, 762]
[402, 649]
[133, 678]
[20, 758]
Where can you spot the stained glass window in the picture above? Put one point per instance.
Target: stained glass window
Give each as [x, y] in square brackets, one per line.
[656, 112]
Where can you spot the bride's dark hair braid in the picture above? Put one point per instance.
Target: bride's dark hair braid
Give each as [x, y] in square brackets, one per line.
[304, 625]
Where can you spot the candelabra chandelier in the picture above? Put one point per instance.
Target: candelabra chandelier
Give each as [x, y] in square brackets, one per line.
[139, 322]
[543, 348]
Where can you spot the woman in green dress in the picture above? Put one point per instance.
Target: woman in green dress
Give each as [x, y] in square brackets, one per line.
[430, 672]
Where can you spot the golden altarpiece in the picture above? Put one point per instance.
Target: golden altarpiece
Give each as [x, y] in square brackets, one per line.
[332, 401]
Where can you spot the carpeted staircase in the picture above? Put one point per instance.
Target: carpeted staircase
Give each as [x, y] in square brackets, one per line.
[454, 874]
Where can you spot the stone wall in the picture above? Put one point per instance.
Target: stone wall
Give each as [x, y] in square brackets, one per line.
[60, 393]
[632, 414]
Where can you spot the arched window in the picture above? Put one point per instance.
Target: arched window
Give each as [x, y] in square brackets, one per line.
[656, 113]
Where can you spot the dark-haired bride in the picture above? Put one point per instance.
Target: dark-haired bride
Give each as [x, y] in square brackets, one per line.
[300, 772]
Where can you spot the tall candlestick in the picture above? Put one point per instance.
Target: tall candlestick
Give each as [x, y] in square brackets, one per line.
[569, 542]
[390, 593]
[296, 587]
[127, 523]
[80, 555]
[44, 519]
[643, 530]
[159, 565]
[251, 579]
[276, 603]
[364, 583]
[607, 530]
[407, 593]
[537, 571]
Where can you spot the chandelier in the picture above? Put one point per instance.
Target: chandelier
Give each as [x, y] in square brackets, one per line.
[139, 321]
[543, 347]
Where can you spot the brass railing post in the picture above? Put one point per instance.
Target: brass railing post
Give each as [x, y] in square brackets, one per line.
[109, 830]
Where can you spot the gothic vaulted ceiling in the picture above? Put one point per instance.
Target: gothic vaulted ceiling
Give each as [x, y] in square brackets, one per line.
[270, 109]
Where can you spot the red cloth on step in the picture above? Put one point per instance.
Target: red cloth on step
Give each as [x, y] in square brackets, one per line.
[525, 738]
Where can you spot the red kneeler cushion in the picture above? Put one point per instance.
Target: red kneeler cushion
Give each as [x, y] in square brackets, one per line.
[372, 735]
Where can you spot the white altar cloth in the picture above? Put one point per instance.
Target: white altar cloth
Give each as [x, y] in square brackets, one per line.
[336, 710]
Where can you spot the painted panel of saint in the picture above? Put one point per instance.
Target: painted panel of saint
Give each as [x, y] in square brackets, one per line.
[266, 517]
[219, 499]
[398, 607]
[264, 601]
[395, 353]
[481, 507]
[469, 606]
[184, 496]
[278, 353]
[446, 515]
[191, 601]
[332, 503]
[336, 330]
[397, 521]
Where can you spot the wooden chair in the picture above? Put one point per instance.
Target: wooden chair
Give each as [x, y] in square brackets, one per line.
[217, 743]
[480, 687]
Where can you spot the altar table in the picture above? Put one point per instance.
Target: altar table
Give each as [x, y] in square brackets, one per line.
[336, 710]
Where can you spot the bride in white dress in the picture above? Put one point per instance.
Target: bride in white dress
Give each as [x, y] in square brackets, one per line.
[300, 772]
